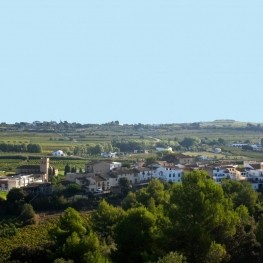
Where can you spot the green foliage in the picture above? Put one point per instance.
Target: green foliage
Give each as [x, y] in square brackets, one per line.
[134, 236]
[67, 169]
[15, 195]
[72, 189]
[241, 193]
[7, 228]
[105, 218]
[150, 160]
[69, 223]
[130, 145]
[172, 257]
[216, 253]
[259, 230]
[96, 150]
[73, 240]
[32, 236]
[154, 190]
[15, 200]
[124, 185]
[188, 142]
[244, 246]
[196, 221]
[27, 254]
[34, 148]
[201, 215]
[28, 214]
[62, 260]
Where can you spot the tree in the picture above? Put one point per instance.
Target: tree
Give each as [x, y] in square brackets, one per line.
[15, 195]
[130, 201]
[67, 169]
[72, 189]
[62, 260]
[188, 142]
[150, 160]
[216, 253]
[134, 236]
[243, 245]
[27, 254]
[241, 193]
[68, 223]
[96, 150]
[28, 214]
[247, 148]
[34, 148]
[200, 214]
[74, 241]
[105, 218]
[172, 257]
[221, 141]
[15, 200]
[73, 169]
[124, 185]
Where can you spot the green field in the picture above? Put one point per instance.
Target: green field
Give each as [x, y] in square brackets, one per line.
[68, 139]
[3, 194]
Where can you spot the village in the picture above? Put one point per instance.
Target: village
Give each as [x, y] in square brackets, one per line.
[105, 176]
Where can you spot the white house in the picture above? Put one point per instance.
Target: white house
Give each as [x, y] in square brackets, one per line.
[220, 173]
[217, 150]
[162, 149]
[58, 153]
[169, 173]
[16, 181]
[109, 154]
[145, 174]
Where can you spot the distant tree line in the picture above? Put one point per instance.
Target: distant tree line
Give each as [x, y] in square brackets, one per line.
[18, 148]
[129, 146]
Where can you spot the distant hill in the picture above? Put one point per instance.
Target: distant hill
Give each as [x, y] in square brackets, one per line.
[224, 120]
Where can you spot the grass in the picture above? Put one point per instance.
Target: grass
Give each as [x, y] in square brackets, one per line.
[67, 140]
[3, 194]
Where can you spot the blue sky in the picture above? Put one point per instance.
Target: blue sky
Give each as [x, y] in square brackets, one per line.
[136, 61]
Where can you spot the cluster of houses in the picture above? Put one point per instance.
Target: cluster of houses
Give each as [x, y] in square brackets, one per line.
[29, 176]
[105, 175]
[250, 171]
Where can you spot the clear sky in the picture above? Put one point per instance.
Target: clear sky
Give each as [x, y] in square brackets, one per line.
[136, 61]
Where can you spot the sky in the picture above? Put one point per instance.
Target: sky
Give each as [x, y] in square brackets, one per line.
[135, 61]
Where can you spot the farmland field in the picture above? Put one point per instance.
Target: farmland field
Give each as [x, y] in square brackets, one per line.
[68, 139]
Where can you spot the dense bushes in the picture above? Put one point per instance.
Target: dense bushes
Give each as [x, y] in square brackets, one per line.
[18, 148]
[196, 221]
